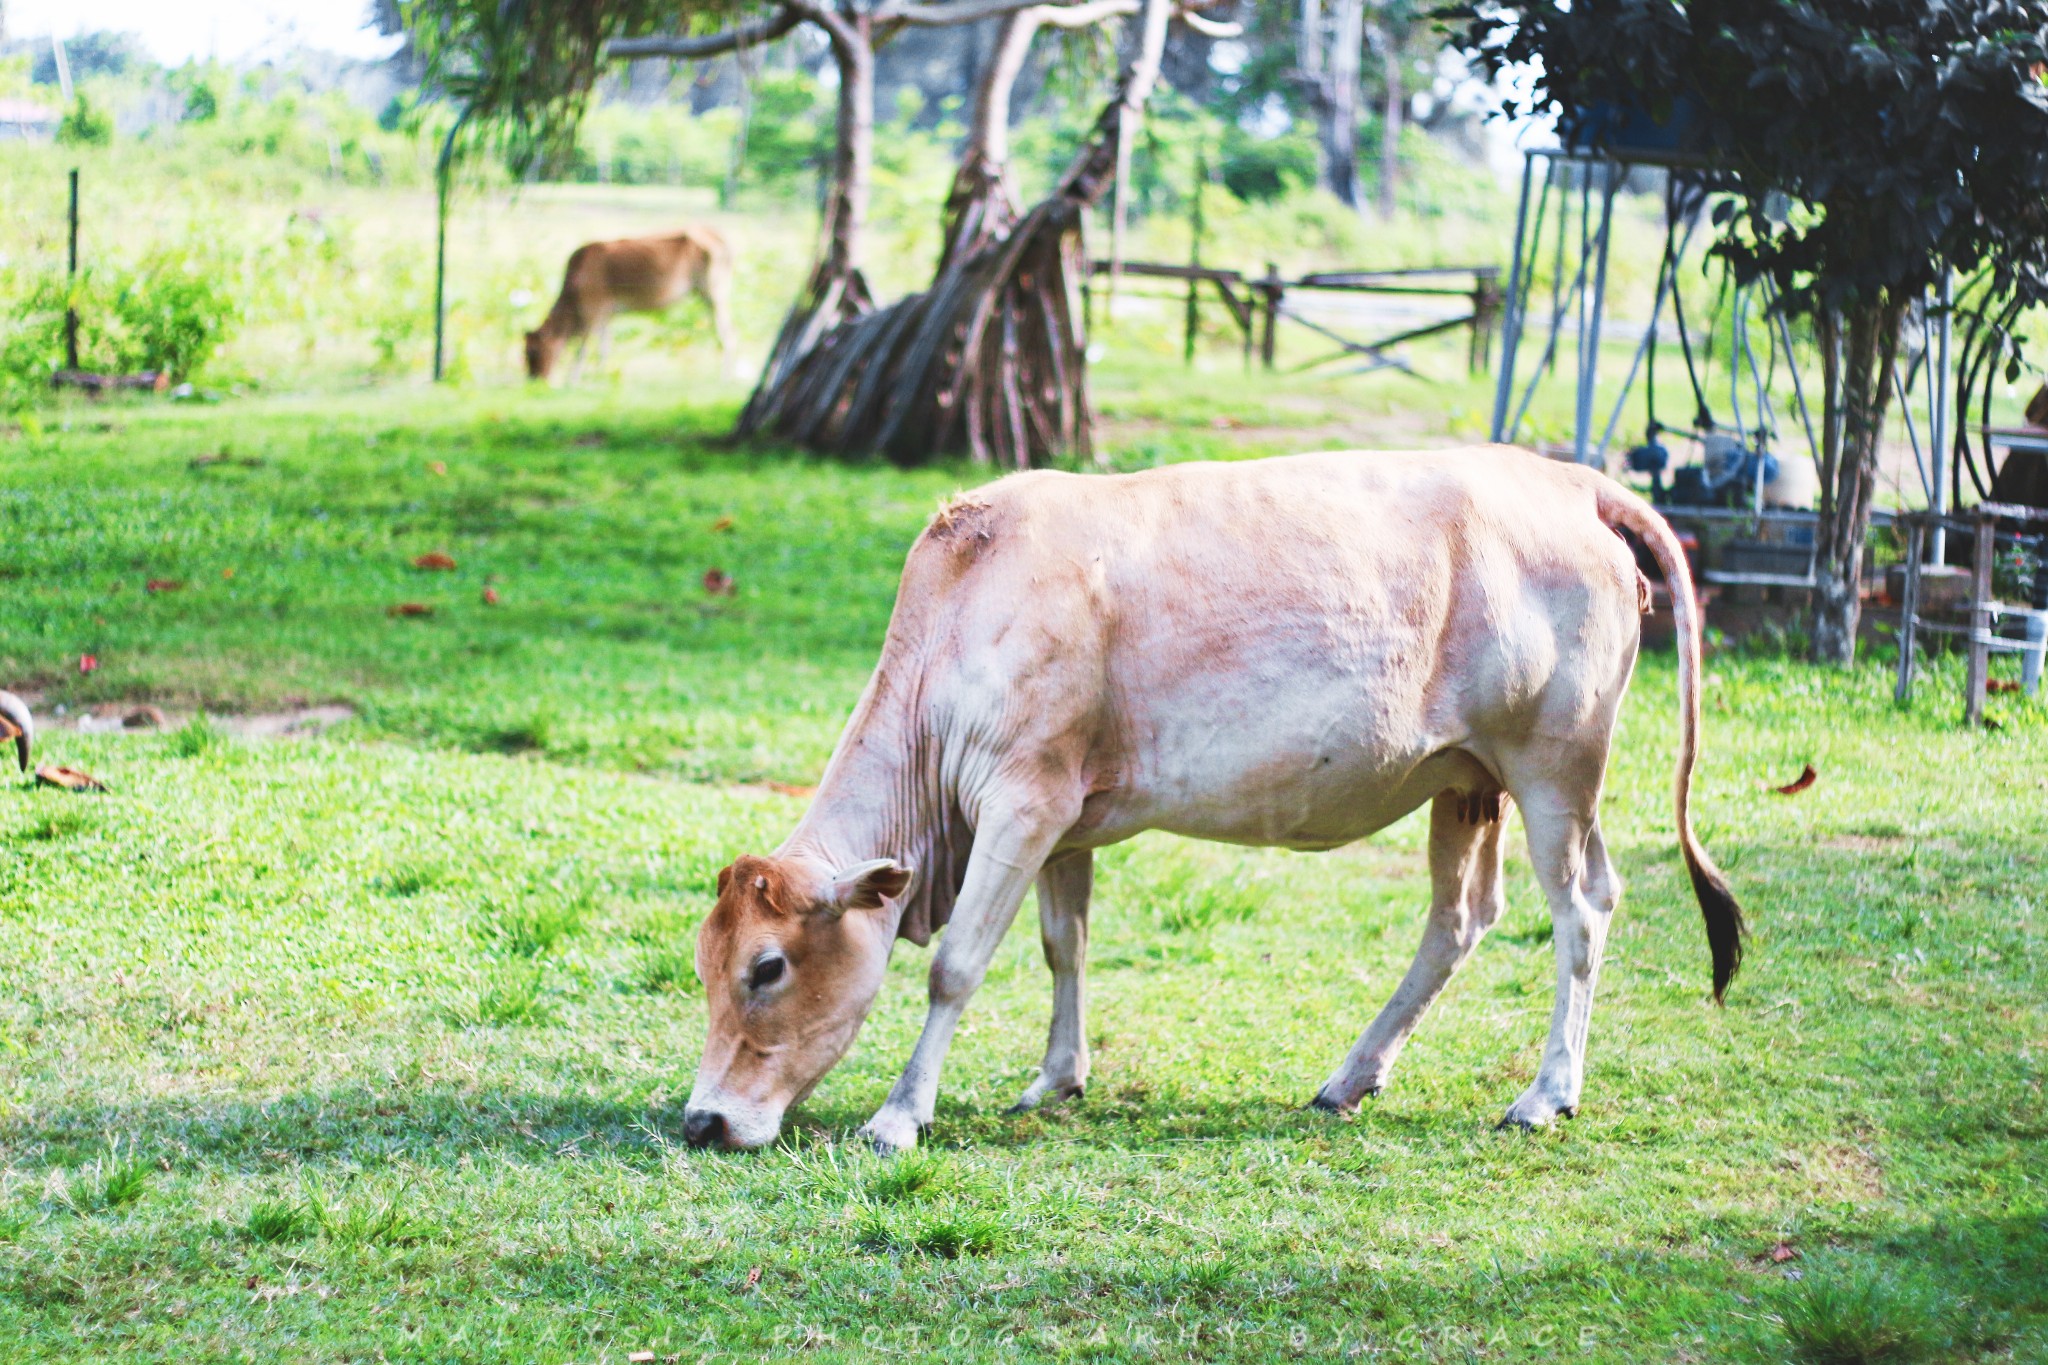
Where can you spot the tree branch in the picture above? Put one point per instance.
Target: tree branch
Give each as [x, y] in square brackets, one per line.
[711, 44]
[1207, 27]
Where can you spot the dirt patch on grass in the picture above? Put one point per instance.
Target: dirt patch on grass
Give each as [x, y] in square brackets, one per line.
[1868, 843]
[1839, 1172]
[145, 718]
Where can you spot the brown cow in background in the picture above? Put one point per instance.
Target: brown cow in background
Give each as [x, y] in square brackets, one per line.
[633, 275]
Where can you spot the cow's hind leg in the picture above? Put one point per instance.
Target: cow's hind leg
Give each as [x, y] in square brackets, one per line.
[1571, 864]
[1466, 899]
[1063, 890]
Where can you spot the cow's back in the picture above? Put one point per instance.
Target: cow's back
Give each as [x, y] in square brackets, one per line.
[1249, 650]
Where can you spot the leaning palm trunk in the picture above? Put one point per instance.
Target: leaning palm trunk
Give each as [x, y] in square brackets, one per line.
[990, 360]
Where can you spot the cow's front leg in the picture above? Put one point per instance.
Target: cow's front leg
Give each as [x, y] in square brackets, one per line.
[1466, 899]
[1007, 855]
[1063, 890]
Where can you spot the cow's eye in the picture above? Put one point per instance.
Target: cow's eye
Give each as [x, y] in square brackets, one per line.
[767, 971]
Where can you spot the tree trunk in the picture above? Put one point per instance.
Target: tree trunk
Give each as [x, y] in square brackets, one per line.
[837, 290]
[1334, 86]
[1859, 350]
[1390, 129]
[989, 360]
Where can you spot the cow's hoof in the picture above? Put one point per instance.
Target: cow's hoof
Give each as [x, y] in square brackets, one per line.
[1534, 1111]
[1329, 1104]
[1041, 1097]
[891, 1133]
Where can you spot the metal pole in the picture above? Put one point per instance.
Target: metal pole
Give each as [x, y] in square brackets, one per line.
[1938, 437]
[1511, 319]
[71, 285]
[1195, 226]
[1635, 365]
[444, 173]
[1589, 331]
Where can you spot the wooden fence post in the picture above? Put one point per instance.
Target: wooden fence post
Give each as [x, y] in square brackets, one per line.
[1909, 611]
[71, 284]
[1981, 559]
[1270, 288]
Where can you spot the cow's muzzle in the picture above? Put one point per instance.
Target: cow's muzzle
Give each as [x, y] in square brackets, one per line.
[705, 1128]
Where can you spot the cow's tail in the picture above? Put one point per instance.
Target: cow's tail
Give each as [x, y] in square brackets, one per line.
[1623, 510]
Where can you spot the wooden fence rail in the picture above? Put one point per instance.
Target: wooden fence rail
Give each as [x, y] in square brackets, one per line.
[1257, 304]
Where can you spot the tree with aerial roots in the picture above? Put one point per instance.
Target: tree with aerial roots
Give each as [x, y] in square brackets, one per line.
[989, 361]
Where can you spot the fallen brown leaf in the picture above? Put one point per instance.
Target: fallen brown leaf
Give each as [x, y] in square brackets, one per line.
[792, 789]
[145, 717]
[438, 467]
[722, 524]
[70, 779]
[434, 560]
[1807, 777]
[637, 1357]
[490, 597]
[753, 1277]
[409, 609]
[227, 573]
[2001, 685]
[718, 583]
[164, 584]
[1782, 1252]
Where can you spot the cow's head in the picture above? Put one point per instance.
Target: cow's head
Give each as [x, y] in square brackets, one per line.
[542, 346]
[791, 957]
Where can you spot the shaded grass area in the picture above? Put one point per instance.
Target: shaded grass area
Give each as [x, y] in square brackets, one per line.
[376, 1043]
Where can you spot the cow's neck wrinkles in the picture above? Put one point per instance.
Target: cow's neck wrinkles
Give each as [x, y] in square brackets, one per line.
[880, 798]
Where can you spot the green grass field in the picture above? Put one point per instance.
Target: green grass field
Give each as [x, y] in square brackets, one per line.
[373, 1045]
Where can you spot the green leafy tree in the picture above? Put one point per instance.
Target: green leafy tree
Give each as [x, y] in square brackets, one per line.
[1914, 135]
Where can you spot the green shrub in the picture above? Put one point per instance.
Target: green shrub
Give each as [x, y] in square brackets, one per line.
[85, 126]
[168, 315]
[202, 104]
[1260, 170]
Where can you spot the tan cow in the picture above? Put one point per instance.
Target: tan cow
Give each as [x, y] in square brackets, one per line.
[1290, 652]
[633, 275]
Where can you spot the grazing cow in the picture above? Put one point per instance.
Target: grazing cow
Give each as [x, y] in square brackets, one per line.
[1289, 652]
[633, 275]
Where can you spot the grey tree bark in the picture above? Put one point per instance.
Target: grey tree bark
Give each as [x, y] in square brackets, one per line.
[1331, 48]
[1859, 351]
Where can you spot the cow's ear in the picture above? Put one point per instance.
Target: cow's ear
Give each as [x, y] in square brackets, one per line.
[866, 886]
[724, 878]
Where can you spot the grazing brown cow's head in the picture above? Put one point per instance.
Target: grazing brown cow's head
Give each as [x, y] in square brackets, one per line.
[791, 958]
[541, 349]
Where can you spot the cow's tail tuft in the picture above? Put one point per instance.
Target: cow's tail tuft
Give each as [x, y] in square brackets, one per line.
[1725, 930]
